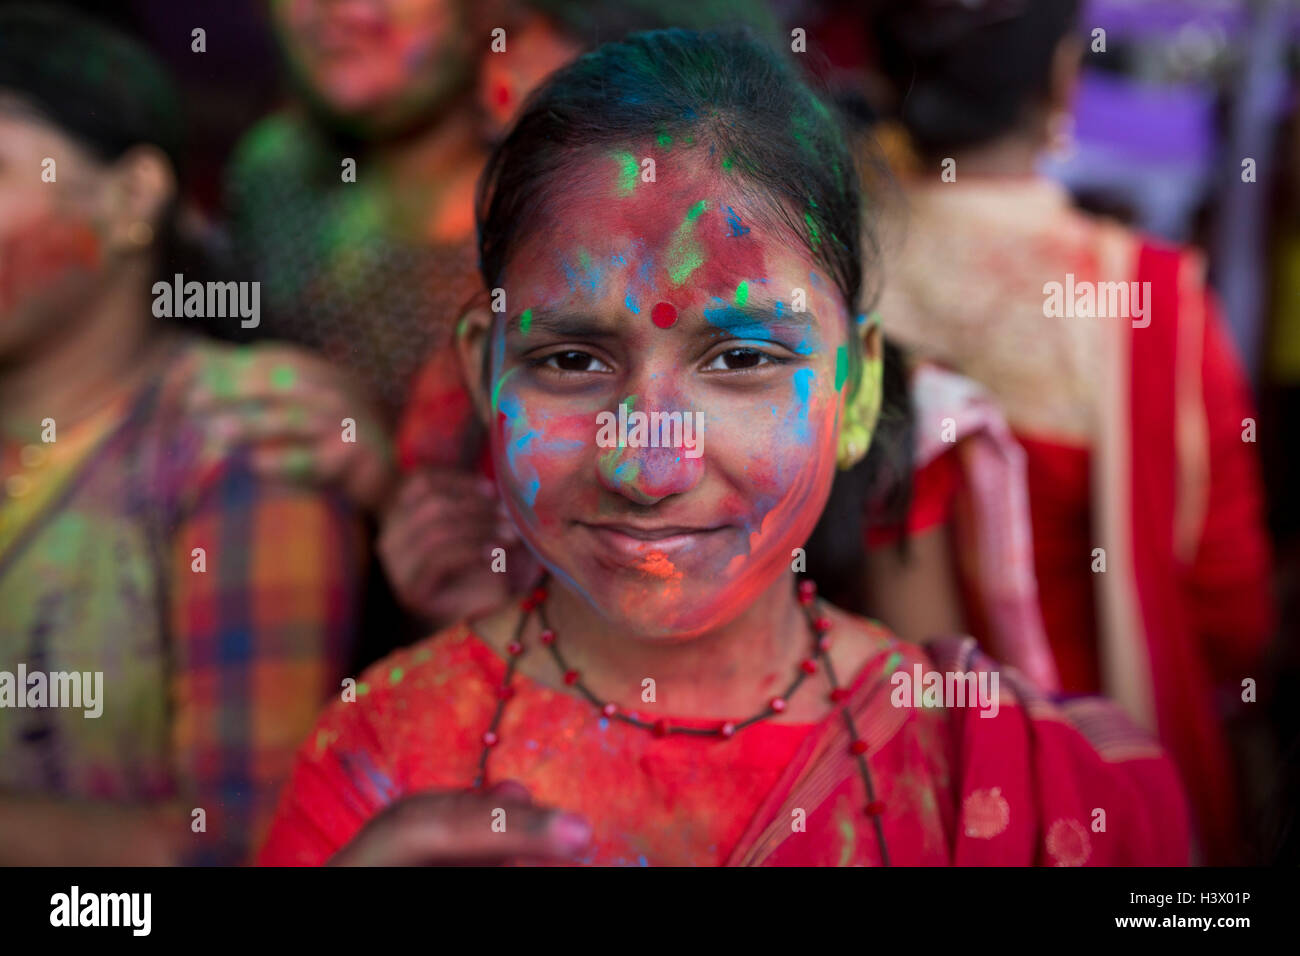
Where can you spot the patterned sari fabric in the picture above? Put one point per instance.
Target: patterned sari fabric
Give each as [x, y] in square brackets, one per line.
[214, 661]
[1133, 435]
[1022, 787]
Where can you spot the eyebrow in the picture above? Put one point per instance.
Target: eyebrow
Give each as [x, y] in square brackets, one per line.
[562, 324]
[748, 319]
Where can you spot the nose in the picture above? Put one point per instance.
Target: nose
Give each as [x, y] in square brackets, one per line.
[646, 474]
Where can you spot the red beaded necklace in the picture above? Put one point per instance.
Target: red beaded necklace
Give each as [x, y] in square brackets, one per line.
[819, 624]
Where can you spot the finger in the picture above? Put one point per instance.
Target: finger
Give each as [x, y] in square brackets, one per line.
[436, 563]
[481, 833]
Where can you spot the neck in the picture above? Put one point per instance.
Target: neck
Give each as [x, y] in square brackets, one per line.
[731, 671]
[1008, 157]
[68, 374]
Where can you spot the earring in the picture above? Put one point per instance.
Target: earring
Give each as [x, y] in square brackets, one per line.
[140, 233]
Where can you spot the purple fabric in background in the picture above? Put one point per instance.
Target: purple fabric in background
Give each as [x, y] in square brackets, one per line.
[1132, 20]
[1170, 124]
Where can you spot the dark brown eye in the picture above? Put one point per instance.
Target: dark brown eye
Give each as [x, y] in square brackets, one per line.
[734, 360]
[575, 361]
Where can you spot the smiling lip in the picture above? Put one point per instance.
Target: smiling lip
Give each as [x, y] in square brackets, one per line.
[635, 542]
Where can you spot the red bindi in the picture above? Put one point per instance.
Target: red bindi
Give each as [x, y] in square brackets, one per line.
[664, 315]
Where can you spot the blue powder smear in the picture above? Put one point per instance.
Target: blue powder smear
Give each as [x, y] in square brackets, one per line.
[802, 389]
[734, 227]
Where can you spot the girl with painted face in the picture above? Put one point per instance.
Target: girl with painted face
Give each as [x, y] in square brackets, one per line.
[671, 231]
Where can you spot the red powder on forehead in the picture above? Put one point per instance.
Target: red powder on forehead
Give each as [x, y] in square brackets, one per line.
[664, 315]
[501, 94]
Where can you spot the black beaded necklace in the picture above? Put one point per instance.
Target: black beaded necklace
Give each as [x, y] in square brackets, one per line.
[819, 625]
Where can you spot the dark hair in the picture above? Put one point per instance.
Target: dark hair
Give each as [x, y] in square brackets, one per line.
[968, 72]
[96, 84]
[103, 90]
[717, 89]
[725, 91]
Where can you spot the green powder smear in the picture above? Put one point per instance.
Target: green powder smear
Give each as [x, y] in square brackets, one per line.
[742, 294]
[684, 255]
[496, 389]
[283, 377]
[841, 366]
[627, 172]
[395, 675]
[525, 321]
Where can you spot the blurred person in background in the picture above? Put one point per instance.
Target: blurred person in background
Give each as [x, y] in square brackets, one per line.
[1131, 434]
[137, 537]
[370, 270]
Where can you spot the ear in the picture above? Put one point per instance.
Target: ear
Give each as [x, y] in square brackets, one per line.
[139, 187]
[473, 345]
[872, 340]
[863, 398]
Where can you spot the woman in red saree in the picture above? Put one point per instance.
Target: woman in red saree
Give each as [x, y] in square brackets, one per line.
[674, 226]
[1130, 421]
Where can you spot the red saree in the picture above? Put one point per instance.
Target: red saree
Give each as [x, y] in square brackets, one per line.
[1136, 433]
[1023, 787]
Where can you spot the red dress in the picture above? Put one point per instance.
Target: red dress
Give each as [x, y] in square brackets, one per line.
[1019, 788]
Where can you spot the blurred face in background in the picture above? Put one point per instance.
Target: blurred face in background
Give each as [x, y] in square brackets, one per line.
[378, 63]
[68, 222]
[52, 234]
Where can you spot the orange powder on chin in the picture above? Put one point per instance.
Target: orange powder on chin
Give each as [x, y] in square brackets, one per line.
[656, 565]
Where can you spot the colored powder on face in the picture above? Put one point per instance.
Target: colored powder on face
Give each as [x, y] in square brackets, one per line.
[726, 164]
[627, 172]
[684, 255]
[496, 389]
[631, 303]
[525, 321]
[664, 315]
[740, 324]
[735, 228]
[742, 294]
[395, 675]
[841, 366]
[663, 139]
[615, 471]
[803, 389]
[657, 565]
[685, 260]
